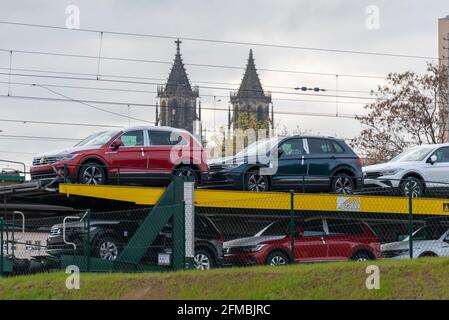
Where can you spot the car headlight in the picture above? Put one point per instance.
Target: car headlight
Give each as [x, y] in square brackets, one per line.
[390, 172]
[68, 156]
[256, 248]
[230, 166]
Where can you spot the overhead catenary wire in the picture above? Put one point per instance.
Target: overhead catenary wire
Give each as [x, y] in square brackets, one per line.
[155, 92]
[312, 114]
[91, 106]
[202, 87]
[233, 85]
[231, 42]
[72, 55]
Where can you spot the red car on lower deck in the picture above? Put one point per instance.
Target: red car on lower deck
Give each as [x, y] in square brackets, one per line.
[136, 155]
[316, 239]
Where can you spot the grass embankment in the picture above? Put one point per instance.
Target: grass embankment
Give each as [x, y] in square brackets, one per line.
[418, 279]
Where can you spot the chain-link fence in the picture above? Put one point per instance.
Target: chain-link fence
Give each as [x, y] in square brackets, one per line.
[235, 228]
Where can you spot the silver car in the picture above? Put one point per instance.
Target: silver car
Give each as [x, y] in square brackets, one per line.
[428, 241]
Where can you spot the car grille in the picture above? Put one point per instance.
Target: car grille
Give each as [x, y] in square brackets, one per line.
[235, 250]
[41, 175]
[44, 160]
[56, 231]
[372, 175]
[215, 167]
[393, 253]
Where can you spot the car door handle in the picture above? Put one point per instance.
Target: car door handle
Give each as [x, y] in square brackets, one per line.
[333, 158]
[142, 152]
[322, 240]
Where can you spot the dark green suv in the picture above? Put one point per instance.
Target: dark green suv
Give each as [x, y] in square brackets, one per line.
[305, 163]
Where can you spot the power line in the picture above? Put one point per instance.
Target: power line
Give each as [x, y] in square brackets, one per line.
[59, 54]
[60, 123]
[203, 87]
[164, 79]
[155, 92]
[91, 106]
[312, 114]
[245, 43]
[18, 152]
[21, 137]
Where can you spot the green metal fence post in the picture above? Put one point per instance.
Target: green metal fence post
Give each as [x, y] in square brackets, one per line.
[410, 217]
[87, 239]
[292, 226]
[1, 248]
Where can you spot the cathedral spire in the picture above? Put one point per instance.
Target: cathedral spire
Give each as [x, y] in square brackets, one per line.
[251, 86]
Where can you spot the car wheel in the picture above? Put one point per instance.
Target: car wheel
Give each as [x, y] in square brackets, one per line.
[187, 172]
[428, 255]
[412, 186]
[108, 248]
[361, 257]
[342, 184]
[256, 182]
[203, 260]
[92, 173]
[277, 258]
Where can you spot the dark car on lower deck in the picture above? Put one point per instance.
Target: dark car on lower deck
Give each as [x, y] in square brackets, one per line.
[108, 237]
[305, 163]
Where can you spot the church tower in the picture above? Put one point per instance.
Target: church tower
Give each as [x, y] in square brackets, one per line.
[250, 98]
[177, 98]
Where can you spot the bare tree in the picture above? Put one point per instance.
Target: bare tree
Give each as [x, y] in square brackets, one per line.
[411, 109]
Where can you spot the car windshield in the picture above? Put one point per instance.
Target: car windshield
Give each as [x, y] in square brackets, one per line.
[414, 154]
[429, 233]
[258, 148]
[98, 139]
[279, 228]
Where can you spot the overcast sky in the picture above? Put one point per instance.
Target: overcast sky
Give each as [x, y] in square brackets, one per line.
[405, 27]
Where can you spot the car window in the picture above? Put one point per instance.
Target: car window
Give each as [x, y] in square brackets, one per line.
[132, 138]
[317, 146]
[430, 233]
[313, 228]
[343, 227]
[98, 139]
[165, 138]
[292, 148]
[279, 228]
[442, 154]
[337, 147]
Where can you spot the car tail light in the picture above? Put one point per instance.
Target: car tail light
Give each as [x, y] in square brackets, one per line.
[360, 162]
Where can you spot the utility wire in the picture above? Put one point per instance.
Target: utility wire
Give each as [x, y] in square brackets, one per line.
[313, 114]
[165, 79]
[245, 43]
[155, 92]
[89, 105]
[59, 54]
[202, 87]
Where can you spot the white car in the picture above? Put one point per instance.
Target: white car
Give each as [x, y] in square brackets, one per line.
[425, 166]
[428, 241]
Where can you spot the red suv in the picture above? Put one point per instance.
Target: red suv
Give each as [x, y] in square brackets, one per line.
[144, 155]
[316, 239]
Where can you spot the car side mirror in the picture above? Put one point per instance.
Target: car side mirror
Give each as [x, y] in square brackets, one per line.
[117, 144]
[432, 159]
[299, 234]
[280, 152]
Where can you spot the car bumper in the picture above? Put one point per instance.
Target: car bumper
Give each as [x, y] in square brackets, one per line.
[224, 178]
[62, 169]
[381, 182]
[243, 259]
